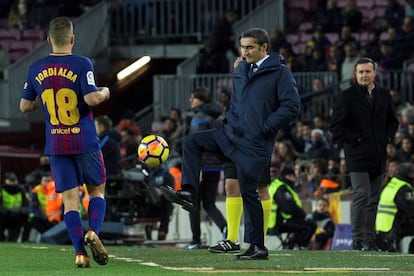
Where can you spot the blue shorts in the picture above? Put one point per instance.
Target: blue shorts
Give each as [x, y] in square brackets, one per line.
[74, 170]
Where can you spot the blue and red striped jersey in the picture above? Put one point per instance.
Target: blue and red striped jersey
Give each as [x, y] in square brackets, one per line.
[61, 81]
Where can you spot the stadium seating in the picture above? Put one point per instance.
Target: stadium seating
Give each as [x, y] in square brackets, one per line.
[10, 34]
[33, 35]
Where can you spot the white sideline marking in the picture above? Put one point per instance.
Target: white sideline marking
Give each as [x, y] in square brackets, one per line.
[131, 260]
[347, 268]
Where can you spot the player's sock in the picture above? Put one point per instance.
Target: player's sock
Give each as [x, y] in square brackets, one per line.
[267, 208]
[234, 210]
[96, 213]
[74, 225]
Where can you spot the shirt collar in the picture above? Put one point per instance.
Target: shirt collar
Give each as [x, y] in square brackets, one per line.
[258, 63]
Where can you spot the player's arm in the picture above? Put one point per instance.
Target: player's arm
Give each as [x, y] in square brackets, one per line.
[27, 105]
[97, 97]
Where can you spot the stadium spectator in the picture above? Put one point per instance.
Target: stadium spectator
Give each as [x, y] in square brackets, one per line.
[406, 152]
[128, 148]
[109, 141]
[128, 122]
[284, 153]
[333, 59]
[169, 133]
[325, 227]
[293, 60]
[287, 213]
[175, 113]
[4, 61]
[345, 38]
[319, 149]
[389, 59]
[316, 61]
[33, 178]
[14, 208]
[328, 17]
[41, 12]
[372, 47]
[394, 218]
[277, 39]
[213, 56]
[317, 170]
[348, 64]
[393, 15]
[351, 16]
[398, 103]
[19, 15]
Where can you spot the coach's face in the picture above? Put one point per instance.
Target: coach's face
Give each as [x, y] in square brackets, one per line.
[365, 74]
[251, 51]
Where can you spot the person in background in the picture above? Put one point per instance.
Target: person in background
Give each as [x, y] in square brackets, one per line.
[14, 208]
[363, 123]
[34, 177]
[109, 142]
[287, 213]
[4, 61]
[325, 227]
[394, 218]
[39, 195]
[205, 114]
[71, 141]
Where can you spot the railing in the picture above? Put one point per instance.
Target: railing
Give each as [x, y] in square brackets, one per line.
[91, 37]
[263, 17]
[174, 91]
[156, 19]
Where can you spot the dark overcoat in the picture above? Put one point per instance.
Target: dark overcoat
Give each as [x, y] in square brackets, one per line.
[364, 128]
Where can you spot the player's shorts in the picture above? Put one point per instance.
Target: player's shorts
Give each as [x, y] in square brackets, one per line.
[230, 172]
[74, 170]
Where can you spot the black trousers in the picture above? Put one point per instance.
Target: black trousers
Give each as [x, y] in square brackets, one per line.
[250, 167]
[206, 198]
[302, 231]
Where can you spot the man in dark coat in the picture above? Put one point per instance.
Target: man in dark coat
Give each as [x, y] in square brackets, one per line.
[261, 105]
[364, 122]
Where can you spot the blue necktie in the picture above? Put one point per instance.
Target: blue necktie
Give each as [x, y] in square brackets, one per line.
[251, 70]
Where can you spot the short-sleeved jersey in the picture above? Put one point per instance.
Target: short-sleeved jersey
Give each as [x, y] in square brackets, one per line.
[61, 82]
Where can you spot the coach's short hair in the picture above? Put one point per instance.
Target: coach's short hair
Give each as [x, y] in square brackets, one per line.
[260, 35]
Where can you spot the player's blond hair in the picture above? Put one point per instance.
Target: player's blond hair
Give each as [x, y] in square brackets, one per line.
[61, 30]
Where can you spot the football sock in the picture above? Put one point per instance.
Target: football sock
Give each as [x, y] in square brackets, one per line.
[96, 213]
[267, 208]
[234, 210]
[74, 226]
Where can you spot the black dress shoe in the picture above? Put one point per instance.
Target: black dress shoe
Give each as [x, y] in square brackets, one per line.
[182, 197]
[254, 252]
[357, 245]
[370, 246]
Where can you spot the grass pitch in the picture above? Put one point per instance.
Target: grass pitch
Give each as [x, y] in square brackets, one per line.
[45, 259]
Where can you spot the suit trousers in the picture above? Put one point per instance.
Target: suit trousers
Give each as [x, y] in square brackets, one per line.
[249, 170]
[366, 189]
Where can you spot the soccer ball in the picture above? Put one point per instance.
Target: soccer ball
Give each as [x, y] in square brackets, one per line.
[153, 150]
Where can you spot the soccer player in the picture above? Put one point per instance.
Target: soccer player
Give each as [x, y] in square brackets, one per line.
[63, 84]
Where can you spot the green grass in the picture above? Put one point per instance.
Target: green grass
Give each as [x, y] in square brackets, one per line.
[44, 259]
